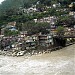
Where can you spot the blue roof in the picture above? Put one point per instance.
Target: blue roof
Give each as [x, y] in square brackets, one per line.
[13, 29]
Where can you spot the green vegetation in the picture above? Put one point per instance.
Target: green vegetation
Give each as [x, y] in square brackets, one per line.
[33, 27]
[9, 32]
[60, 30]
[66, 20]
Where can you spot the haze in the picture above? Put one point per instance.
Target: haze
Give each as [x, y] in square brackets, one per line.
[1, 1]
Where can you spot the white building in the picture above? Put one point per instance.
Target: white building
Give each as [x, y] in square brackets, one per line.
[51, 19]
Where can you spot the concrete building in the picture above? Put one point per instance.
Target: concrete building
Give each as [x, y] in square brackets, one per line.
[51, 19]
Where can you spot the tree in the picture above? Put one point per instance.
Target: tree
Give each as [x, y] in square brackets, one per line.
[69, 21]
[33, 27]
[60, 31]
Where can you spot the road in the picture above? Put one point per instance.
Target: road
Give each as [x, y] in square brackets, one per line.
[60, 62]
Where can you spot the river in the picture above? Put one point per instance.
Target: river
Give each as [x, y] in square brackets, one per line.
[60, 62]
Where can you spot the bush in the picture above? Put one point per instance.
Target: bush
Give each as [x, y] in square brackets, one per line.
[60, 30]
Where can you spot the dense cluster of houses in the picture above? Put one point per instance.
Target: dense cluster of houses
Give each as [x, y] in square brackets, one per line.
[22, 43]
[41, 39]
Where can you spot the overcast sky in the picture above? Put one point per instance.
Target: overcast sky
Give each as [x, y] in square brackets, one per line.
[1, 1]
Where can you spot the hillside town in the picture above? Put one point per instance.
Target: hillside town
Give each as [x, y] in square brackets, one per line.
[14, 41]
[37, 37]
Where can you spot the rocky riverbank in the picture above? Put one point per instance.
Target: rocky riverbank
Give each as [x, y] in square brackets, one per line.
[28, 53]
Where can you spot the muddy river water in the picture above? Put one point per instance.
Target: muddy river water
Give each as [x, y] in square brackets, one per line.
[60, 62]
